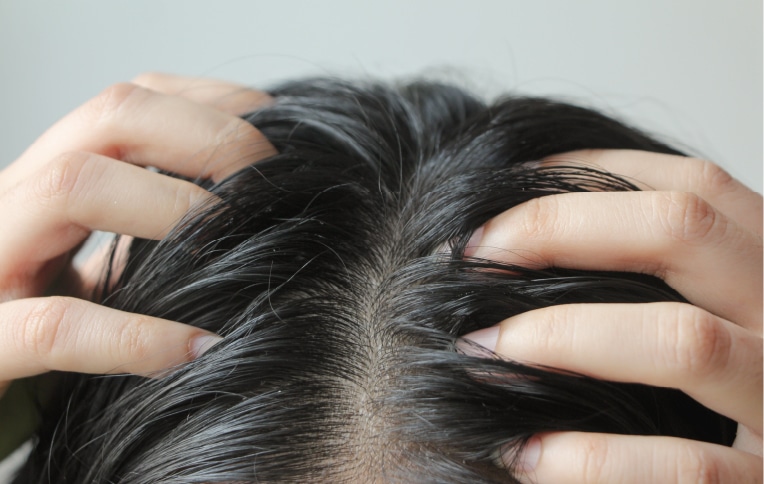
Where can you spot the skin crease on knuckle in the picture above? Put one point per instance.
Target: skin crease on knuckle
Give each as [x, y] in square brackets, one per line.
[47, 198]
[550, 332]
[703, 345]
[102, 111]
[687, 218]
[694, 465]
[45, 332]
[133, 340]
[57, 180]
[710, 175]
[540, 219]
[592, 455]
[537, 221]
[73, 180]
[186, 197]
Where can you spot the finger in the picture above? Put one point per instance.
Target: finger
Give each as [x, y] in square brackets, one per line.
[657, 171]
[679, 237]
[673, 345]
[66, 334]
[224, 96]
[57, 208]
[142, 127]
[574, 457]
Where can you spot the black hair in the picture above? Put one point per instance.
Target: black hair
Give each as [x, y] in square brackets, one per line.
[335, 271]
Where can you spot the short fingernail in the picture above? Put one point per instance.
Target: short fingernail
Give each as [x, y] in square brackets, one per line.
[529, 458]
[474, 242]
[487, 338]
[202, 344]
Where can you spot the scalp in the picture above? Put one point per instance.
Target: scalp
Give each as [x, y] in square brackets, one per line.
[324, 269]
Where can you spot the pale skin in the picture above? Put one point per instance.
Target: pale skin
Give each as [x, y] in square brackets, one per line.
[85, 173]
[698, 229]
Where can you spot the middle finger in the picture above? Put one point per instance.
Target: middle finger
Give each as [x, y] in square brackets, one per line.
[677, 236]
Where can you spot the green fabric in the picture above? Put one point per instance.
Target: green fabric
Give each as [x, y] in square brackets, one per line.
[20, 411]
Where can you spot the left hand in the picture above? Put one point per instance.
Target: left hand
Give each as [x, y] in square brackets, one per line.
[85, 174]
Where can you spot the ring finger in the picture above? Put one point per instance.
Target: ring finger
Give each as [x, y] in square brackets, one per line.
[673, 345]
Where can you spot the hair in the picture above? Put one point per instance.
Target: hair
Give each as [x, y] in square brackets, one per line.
[335, 272]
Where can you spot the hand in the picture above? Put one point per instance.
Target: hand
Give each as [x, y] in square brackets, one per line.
[701, 232]
[85, 173]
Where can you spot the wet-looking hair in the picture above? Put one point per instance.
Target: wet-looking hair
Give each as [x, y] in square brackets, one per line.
[335, 271]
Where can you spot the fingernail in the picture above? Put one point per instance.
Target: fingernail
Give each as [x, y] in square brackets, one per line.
[474, 242]
[202, 344]
[529, 458]
[487, 338]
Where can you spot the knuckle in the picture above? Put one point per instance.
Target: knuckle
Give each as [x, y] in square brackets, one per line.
[134, 339]
[592, 457]
[553, 332]
[696, 466]
[538, 218]
[61, 176]
[686, 217]
[43, 329]
[714, 178]
[702, 344]
[185, 196]
[111, 100]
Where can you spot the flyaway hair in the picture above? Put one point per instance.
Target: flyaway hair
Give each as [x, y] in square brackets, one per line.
[335, 272]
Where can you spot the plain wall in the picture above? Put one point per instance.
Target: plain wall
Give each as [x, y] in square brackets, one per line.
[690, 70]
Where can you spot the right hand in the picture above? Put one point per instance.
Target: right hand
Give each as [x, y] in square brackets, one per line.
[700, 231]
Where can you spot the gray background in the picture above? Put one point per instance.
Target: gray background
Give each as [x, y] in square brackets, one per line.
[690, 70]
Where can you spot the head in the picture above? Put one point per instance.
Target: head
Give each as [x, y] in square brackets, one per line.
[336, 273]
